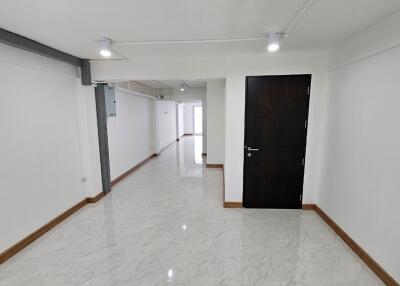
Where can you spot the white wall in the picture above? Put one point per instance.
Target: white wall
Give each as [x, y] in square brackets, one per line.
[165, 123]
[180, 120]
[215, 121]
[131, 132]
[44, 142]
[188, 116]
[360, 186]
[234, 69]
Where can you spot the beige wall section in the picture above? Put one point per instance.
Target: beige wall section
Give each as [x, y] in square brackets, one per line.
[215, 121]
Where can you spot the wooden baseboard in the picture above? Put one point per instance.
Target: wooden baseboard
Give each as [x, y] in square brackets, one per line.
[8, 253]
[95, 199]
[218, 166]
[232, 205]
[368, 260]
[131, 170]
[308, 207]
[364, 256]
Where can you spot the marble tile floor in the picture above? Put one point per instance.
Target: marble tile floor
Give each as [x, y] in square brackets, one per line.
[165, 225]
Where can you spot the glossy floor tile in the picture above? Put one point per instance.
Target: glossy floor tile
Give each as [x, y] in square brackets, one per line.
[165, 225]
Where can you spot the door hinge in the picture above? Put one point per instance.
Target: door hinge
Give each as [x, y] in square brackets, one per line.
[308, 90]
[305, 124]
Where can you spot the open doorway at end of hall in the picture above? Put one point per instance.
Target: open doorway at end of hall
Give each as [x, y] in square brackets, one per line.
[197, 120]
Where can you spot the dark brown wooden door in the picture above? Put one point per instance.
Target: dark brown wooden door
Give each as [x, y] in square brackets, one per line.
[275, 140]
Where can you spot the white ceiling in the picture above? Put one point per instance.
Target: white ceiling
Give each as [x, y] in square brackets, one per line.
[73, 25]
[173, 83]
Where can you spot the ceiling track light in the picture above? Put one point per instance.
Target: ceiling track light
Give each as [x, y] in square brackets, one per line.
[274, 41]
[182, 88]
[105, 47]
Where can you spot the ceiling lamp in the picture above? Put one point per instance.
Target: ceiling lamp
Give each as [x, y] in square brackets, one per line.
[273, 41]
[182, 88]
[105, 47]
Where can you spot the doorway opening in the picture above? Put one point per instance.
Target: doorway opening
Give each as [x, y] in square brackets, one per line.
[197, 120]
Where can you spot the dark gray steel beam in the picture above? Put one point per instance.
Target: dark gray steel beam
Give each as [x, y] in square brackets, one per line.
[12, 39]
[103, 136]
[86, 74]
[21, 42]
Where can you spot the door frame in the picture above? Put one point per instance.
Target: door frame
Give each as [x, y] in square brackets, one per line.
[245, 131]
[194, 124]
[177, 121]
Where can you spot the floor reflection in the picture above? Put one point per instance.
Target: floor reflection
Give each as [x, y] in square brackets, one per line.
[190, 161]
[198, 149]
[165, 225]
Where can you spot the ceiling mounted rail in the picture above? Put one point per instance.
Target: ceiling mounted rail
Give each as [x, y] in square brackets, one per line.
[289, 27]
[298, 16]
[199, 41]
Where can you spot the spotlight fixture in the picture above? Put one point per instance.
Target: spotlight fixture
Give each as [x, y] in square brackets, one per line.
[105, 47]
[182, 88]
[273, 41]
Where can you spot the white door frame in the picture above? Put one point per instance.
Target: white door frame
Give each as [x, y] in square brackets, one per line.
[194, 133]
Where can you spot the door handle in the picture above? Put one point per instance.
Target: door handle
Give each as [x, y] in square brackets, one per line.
[252, 149]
